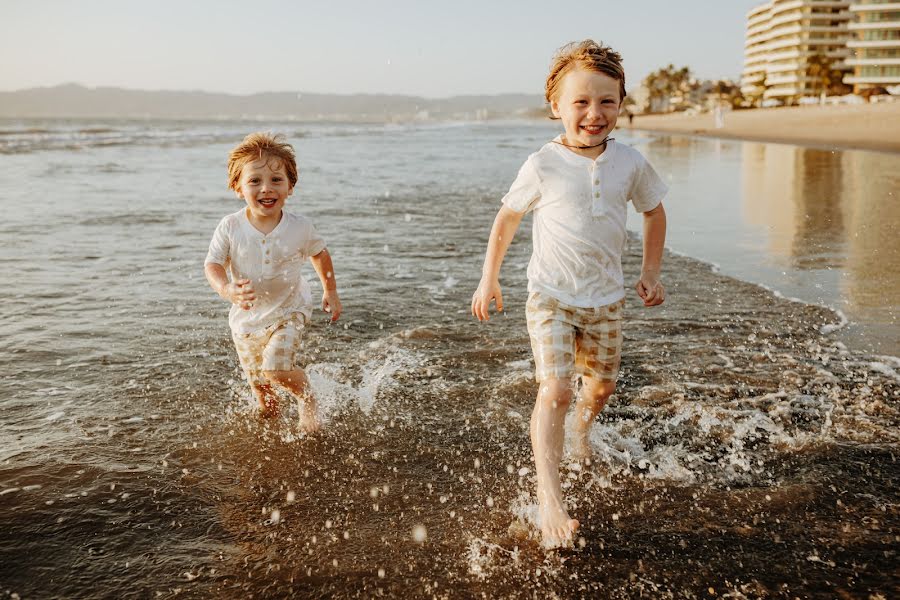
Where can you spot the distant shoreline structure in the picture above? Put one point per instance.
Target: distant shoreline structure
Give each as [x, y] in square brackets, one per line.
[77, 101]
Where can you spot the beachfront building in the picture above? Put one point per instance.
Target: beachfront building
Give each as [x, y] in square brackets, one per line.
[875, 40]
[756, 54]
[790, 44]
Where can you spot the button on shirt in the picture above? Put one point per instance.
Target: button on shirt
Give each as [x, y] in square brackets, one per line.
[272, 262]
[579, 207]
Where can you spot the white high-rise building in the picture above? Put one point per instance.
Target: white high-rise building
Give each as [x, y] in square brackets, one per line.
[783, 37]
[875, 40]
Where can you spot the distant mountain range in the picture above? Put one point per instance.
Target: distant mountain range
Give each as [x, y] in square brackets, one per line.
[73, 100]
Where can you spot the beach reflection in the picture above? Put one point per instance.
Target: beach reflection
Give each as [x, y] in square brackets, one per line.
[873, 244]
[797, 194]
[830, 210]
[813, 223]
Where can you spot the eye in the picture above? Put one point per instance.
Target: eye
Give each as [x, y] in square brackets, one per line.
[581, 102]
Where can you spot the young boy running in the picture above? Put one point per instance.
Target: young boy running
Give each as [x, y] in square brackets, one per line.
[578, 186]
[263, 249]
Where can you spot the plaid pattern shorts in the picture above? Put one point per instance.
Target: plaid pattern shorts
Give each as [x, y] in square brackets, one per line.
[569, 340]
[272, 349]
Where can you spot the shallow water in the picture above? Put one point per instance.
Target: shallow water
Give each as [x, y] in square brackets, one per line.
[745, 454]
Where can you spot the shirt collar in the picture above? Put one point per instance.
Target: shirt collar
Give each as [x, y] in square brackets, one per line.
[577, 159]
[256, 232]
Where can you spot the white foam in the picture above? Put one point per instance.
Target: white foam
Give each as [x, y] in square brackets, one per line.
[714, 267]
[482, 557]
[727, 441]
[884, 369]
[832, 327]
[377, 375]
[520, 364]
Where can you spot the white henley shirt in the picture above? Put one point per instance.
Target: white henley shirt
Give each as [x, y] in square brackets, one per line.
[272, 262]
[579, 207]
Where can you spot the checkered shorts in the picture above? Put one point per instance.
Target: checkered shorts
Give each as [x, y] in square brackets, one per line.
[272, 349]
[569, 340]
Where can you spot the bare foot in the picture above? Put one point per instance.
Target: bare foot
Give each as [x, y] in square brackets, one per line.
[557, 529]
[309, 420]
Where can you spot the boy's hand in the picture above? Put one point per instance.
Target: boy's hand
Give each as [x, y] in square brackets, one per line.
[650, 290]
[481, 300]
[240, 292]
[332, 304]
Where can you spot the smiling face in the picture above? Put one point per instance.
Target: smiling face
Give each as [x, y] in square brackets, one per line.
[588, 105]
[264, 186]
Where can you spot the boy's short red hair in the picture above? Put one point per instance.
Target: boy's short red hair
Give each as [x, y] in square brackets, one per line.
[254, 147]
[589, 55]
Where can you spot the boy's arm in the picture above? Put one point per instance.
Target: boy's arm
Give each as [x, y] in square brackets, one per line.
[649, 287]
[505, 225]
[237, 292]
[331, 303]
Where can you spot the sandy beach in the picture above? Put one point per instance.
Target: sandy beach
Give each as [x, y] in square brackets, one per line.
[864, 126]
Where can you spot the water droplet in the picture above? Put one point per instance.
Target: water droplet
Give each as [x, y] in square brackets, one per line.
[419, 534]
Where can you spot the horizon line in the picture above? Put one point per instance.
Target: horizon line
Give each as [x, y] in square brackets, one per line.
[297, 92]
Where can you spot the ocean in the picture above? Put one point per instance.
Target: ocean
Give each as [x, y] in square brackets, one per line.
[749, 451]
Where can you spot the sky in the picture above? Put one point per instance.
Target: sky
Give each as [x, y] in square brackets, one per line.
[415, 47]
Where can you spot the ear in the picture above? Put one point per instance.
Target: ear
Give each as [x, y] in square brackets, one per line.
[554, 108]
[238, 193]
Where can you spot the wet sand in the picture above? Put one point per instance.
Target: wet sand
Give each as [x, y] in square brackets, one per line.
[865, 126]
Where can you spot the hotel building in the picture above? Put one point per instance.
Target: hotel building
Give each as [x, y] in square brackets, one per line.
[875, 39]
[782, 36]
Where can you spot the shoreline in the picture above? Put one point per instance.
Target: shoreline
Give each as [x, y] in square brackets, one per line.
[855, 127]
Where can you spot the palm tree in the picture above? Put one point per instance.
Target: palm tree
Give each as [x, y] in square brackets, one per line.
[825, 77]
[664, 83]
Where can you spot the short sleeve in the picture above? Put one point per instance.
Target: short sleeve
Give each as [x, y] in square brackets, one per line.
[525, 190]
[647, 188]
[314, 242]
[220, 245]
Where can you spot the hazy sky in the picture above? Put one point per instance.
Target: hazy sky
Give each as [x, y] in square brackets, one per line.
[422, 47]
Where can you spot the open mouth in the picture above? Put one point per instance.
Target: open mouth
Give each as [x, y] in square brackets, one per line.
[593, 129]
[267, 203]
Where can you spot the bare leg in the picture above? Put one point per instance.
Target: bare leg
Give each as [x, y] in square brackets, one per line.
[547, 435]
[268, 400]
[591, 400]
[296, 383]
